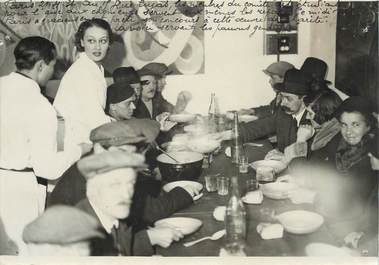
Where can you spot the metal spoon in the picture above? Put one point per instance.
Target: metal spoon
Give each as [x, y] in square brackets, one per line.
[166, 153]
[215, 236]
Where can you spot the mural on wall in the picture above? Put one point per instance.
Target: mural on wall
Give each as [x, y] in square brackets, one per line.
[159, 31]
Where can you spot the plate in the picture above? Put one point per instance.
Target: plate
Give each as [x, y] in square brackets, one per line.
[278, 166]
[300, 222]
[203, 145]
[219, 213]
[277, 190]
[181, 183]
[184, 224]
[182, 117]
[326, 250]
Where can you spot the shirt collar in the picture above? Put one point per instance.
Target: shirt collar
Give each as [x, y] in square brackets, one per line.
[298, 116]
[83, 56]
[107, 222]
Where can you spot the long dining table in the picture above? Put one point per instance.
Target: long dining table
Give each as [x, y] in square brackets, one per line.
[202, 209]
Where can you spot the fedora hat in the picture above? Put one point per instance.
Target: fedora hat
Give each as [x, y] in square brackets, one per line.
[315, 68]
[295, 82]
[156, 69]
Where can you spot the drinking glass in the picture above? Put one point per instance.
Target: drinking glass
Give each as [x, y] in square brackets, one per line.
[211, 183]
[222, 185]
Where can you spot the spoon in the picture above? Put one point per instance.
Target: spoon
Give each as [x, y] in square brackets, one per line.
[215, 236]
[167, 154]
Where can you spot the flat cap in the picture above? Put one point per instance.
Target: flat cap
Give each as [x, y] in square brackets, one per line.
[91, 166]
[62, 224]
[156, 69]
[125, 132]
[278, 68]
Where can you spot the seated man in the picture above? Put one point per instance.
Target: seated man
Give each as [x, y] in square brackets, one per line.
[276, 72]
[151, 103]
[285, 122]
[110, 188]
[61, 231]
[129, 76]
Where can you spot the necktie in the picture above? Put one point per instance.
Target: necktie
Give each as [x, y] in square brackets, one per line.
[115, 240]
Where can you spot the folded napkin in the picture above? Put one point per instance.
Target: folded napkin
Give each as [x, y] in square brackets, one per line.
[253, 197]
[270, 231]
[228, 151]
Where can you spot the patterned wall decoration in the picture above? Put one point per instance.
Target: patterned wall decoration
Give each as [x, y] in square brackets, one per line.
[145, 31]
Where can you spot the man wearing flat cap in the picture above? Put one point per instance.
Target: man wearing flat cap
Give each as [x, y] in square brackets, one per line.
[61, 231]
[276, 72]
[144, 209]
[285, 122]
[110, 197]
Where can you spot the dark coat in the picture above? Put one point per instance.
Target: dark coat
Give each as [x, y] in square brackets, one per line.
[127, 242]
[266, 110]
[146, 208]
[160, 105]
[279, 124]
[343, 195]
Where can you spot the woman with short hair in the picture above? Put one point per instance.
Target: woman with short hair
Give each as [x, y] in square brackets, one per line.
[82, 92]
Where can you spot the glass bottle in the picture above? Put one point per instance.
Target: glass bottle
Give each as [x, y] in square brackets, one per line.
[235, 221]
[236, 147]
[213, 114]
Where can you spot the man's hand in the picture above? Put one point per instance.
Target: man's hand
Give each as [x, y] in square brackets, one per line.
[163, 235]
[305, 132]
[374, 162]
[274, 155]
[192, 190]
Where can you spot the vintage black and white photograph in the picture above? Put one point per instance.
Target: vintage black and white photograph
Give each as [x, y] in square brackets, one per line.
[216, 128]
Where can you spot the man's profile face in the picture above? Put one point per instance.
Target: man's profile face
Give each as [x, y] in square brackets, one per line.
[291, 103]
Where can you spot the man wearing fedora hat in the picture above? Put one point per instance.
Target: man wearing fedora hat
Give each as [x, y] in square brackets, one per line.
[285, 122]
[129, 76]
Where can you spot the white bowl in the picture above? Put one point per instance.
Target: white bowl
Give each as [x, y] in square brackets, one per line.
[219, 213]
[278, 166]
[184, 224]
[253, 197]
[203, 145]
[277, 190]
[183, 117]
[300, 222]
[181, 183]
[326, 250]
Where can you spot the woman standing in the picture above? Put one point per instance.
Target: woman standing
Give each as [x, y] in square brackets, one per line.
[28, 142]
[82, 92]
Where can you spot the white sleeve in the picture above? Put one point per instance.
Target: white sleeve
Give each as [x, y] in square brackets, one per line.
[45, 160]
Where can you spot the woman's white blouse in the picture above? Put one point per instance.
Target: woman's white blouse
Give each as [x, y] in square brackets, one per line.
[81, 99]
[28, 130]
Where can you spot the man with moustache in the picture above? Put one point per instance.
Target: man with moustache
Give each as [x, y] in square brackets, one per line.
[285, 122]
[111, 179]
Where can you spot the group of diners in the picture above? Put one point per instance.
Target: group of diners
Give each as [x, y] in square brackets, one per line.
[106, 202]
